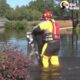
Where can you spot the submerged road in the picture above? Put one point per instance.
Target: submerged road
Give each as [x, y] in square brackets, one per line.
[69, 63]
[69, 70]
[69, 59]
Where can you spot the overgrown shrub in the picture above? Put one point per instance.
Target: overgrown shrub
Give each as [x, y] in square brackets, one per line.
[16, 25]
[13, 65]
[20, 25]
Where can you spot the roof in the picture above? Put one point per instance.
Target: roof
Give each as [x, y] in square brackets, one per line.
[2, 19]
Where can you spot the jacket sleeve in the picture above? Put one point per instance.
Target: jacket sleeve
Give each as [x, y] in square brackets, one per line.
[36, 30]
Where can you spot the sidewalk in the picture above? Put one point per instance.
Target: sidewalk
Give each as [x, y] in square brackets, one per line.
[66, 30]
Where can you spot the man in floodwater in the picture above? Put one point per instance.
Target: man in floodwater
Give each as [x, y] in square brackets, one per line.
[47, 36]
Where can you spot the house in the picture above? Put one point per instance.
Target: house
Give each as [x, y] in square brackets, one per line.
[2, 21]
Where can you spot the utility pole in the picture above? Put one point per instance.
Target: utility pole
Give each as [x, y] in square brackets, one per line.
[74, 23]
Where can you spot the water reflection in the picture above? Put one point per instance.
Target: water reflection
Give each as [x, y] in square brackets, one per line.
[19, 39]
[50, 76]
[66, 47]
[69, 70]
[69, 58]
[37, 73]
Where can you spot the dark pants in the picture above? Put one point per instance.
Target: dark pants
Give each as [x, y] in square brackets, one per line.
[52, 48]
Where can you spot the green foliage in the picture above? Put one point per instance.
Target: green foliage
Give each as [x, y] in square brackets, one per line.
[42, 5]
[23, 13]
[34, 15]
[34, 10]
[9, 14]
[16, 25]
[3, 7]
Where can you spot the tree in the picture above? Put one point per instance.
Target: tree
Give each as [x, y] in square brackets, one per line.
[9, 14]
[3, 7]
[42, 5]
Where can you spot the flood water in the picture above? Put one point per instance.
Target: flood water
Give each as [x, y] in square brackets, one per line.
[69, 57]
[67, 49]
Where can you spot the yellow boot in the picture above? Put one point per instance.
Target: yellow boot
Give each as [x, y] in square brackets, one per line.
[45, 61]
[55, 61]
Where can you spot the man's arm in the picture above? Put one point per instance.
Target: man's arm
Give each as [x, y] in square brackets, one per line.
[36, 30]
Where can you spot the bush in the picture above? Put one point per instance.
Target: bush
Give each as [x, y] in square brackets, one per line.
[16, 25]
[13, 65]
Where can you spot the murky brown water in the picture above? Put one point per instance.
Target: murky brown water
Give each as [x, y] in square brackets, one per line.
[69, 59]
[69, 63]
[19, 40]
[69, 70]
